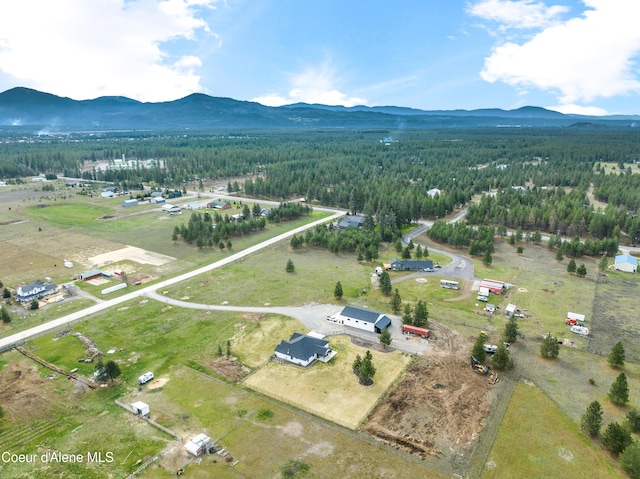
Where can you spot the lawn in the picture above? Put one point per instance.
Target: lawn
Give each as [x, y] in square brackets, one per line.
[537, 440]
[330, 390]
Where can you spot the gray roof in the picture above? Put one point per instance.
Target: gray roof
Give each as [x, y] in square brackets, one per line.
[301, 346]
[380, 320]
[413, 263]
[349, 221]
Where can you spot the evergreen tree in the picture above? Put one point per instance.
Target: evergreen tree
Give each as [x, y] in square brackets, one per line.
[616, 438]
[407, 316]
[419, 254]
[502, 359]
[337, 292]
[549, 347]
[559, 256]
[385, 283]
[421, 315]
[511, 330]
[616, 356]
[290, 268]
[591, 420]
[112, 370]
[367, 369]
[478, 348]
[520, 250]
[487, 259]
[603, 264]
[5, 316]
[385, 338]
[406, 253]
[219, 350]
[34, 304]
[619, 392]
[581, 271]
[6, 294]
[396, 301]
[630, 460]
[633, 420]
[228, 347]
[571, 267]
[357, 363]
[101, 372]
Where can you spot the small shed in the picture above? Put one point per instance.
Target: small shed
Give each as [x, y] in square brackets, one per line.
[140, 408]
[510, 310]
[127, 203]
[198, 445]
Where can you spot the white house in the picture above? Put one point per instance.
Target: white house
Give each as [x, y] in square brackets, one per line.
[360, 318]
[198, 445]
[304, 350]
[626, 263]
[37, 290]
[433, 192]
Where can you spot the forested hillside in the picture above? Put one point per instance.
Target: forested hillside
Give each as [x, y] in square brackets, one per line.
[535, 179]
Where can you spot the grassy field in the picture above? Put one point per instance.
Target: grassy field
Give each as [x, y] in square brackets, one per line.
[537, 440]
[330, 390]
[152, 336]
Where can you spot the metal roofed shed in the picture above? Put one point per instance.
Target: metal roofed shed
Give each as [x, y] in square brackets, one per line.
[140, 408]
[198, 445]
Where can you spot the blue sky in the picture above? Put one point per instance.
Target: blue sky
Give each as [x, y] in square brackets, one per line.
[574, 56]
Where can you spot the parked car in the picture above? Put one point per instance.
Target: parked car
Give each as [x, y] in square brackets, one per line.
[490, 348]
[483, 298]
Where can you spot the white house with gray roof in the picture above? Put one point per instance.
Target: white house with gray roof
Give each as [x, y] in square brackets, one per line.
[372, 321]
[304, 350]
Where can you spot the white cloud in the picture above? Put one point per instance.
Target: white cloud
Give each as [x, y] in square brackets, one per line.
[314, 85]
[84, 49]
[517, 14]
[579, 110]
[580, 60]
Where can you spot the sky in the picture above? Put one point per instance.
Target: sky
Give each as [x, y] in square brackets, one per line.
[572, 56]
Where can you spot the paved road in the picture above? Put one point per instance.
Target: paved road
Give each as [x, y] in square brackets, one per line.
[65, 320]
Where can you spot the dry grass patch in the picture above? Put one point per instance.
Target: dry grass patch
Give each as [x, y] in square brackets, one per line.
[331, 390]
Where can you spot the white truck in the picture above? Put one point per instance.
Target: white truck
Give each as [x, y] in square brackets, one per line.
[145, 378]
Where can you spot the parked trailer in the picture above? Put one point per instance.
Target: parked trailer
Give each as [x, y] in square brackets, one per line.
[407, 329]
[445, 283]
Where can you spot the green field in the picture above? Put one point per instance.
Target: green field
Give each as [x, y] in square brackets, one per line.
[537, 440]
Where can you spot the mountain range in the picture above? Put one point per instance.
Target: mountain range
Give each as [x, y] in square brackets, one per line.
[24, 108]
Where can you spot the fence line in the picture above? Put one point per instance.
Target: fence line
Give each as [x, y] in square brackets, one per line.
[149, 462]
[11, 346]
[150, 421]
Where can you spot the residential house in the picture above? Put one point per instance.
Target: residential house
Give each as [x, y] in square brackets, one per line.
[37, 290]
[410, 265]
[219, 205]
[372, 321]
[434, 191]
[198, 445]
[304, 350]
[351, 221]
[626, 263]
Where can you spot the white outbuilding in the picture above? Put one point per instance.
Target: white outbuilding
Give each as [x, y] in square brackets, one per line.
[626, 263]
[198, 445]
[140, 408]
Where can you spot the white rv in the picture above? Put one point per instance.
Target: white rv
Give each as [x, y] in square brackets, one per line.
[581, 330]
[145, 378]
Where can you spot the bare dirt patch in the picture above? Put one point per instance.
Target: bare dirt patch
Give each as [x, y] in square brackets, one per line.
[465, 291]
[157, 383]
[438, 408]
[229, 368]
[23, 393]
[131, 253]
